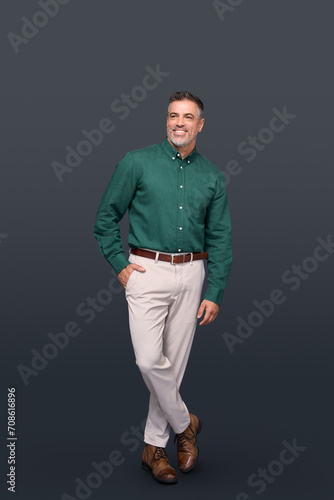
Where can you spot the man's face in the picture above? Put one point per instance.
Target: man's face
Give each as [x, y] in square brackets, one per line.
[183, 123]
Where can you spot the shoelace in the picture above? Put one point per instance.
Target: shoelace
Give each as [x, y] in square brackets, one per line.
[182, 438]
[160, 453]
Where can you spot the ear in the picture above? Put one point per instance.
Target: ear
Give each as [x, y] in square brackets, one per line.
[201, 124]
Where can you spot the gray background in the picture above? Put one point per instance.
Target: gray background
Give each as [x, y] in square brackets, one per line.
[276, 386]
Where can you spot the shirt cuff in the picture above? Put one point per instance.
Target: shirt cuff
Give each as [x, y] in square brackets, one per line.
[118, 262]
[214, 295]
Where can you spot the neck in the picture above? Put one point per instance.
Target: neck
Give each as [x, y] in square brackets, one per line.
[184, 150]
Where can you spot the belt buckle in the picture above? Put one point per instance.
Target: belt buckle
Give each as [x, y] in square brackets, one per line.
[178, 255]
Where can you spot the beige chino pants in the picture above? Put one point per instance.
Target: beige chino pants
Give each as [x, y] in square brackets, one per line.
[163, 302]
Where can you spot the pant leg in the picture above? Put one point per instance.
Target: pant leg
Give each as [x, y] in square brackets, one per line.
[163, 302]
[180, 327]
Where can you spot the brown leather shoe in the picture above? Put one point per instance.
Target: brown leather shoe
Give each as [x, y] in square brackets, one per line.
[155, 460]
[187, 449]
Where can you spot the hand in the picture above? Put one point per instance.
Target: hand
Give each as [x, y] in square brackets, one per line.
[125, 274]
[211, 310]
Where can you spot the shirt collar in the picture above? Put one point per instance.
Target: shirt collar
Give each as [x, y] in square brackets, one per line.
[173, 153]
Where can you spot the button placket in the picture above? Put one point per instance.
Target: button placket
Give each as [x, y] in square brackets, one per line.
[180, 205]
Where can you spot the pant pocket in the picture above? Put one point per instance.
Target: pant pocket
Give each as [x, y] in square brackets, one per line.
[132, 277]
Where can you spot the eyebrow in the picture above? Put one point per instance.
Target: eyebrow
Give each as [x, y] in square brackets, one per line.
[185, 114]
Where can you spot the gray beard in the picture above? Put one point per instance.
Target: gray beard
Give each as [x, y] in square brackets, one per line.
[179, 142]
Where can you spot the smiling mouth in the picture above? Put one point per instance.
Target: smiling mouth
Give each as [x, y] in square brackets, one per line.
[179, 131]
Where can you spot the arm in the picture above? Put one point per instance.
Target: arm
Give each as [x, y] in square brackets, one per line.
[115, 201]
[219, 247]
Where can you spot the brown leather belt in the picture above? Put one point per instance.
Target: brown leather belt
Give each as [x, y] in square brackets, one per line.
[173, 258]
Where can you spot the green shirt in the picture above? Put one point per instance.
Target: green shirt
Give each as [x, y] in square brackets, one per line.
[175, 205]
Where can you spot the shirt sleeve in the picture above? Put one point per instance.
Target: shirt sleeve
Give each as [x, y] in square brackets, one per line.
[218, 243]
[114, 203]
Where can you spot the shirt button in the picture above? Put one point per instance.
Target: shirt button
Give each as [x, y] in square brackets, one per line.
[179, 250]
[181, 186]
[173, 158]
[180, 228]
[180, 207]
[181, 168]
[188, 161]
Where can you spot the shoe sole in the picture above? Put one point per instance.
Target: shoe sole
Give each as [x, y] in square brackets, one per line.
[145, 466]
[199, 428]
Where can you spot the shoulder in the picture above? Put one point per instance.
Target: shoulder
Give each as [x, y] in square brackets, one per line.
[144, 152]
[134, 160]
[134, 156]
[211, 169]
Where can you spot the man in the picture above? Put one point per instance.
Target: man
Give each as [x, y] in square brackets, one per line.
[178, 217]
